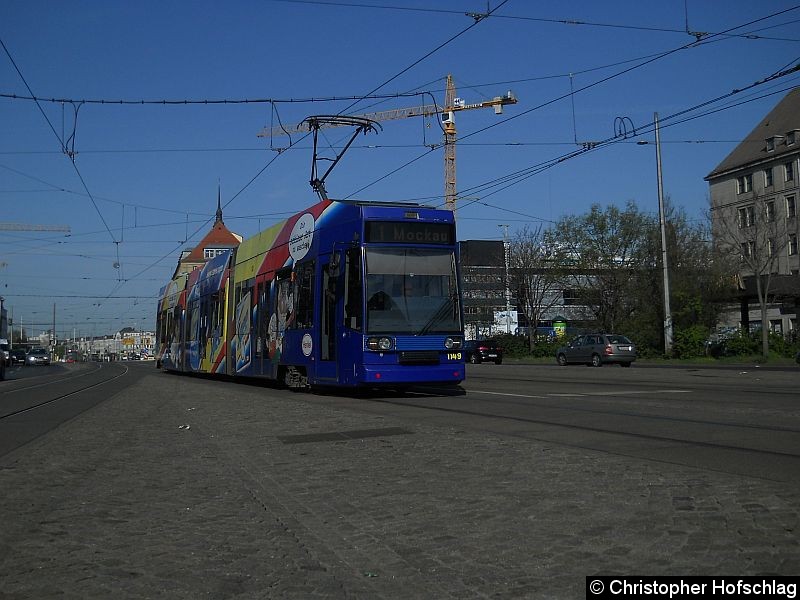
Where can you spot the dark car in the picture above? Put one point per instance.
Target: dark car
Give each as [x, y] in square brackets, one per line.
[478, 351]
[597, 349]
[18, 356]
[38, 356]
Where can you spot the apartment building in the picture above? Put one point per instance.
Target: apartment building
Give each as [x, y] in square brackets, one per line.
[754, 202]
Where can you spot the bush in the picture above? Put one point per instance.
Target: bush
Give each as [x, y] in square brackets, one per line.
[690, 342]
[743, 344]
[518, 346]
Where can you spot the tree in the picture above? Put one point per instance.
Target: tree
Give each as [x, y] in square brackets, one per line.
[754, 234]
[606, 250]
[699, 277]
[535, 263]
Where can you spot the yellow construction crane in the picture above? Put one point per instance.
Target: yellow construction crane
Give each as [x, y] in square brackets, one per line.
[451, 106]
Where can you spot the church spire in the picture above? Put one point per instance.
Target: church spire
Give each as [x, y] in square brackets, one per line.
[219, 208]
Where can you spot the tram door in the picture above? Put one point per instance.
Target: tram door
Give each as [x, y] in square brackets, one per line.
[349, 340]
[326, 368]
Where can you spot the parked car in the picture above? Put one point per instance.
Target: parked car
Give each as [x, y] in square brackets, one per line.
[478, 351]
[597, 349]
[18, 356]
[38, 356]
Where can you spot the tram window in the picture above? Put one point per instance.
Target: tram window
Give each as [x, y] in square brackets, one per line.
[193, 317]
[304, 294]
[243, 306]
[352, 292]
[263, 316]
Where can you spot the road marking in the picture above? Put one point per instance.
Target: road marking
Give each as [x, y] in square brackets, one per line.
[506, 394]
[618, 393]
[637, 392]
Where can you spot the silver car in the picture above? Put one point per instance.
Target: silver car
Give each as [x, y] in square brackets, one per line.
[597, 349]
[38, 356]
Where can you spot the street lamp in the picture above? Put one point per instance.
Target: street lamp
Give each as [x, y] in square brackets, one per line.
[662, 223]
[508, 290]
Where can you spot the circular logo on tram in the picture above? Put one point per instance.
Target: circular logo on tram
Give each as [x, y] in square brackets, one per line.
[301, 237]
[307, 344]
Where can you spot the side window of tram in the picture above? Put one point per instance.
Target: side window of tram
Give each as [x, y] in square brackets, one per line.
[304, 295]
[263, 315]
[352, 292]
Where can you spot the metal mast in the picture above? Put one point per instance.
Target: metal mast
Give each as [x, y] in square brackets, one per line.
[449, 123]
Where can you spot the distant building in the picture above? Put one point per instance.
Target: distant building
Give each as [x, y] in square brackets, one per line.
[124, 343]
[483, 277]
[754, 201]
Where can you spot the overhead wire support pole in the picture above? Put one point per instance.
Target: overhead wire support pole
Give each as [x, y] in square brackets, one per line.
[664, 264]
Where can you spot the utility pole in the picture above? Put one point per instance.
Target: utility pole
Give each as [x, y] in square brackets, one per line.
[664, 265]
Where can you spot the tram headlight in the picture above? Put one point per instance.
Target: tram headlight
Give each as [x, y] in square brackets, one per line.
[380, 343]
[452, 343]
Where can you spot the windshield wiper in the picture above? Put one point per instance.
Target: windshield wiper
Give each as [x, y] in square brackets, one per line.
[441, 312]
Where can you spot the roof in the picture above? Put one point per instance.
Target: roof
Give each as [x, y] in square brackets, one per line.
[783, 118]
[219, 237]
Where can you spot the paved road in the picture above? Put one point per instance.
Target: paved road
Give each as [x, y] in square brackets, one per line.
[186, 488]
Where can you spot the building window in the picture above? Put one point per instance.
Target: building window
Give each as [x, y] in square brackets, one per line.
[789, 167]
[748, 248]
[746, 217]
[744, 184]
[768, 177]
[771, 144]
[791, 138]
[212, 252]
[769, 211]
[792, 244]
[771, 247]
[791, 210]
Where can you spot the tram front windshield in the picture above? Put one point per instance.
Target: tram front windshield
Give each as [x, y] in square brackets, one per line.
[412, 291]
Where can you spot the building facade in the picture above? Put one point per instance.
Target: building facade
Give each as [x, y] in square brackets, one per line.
[754, 201]
[483, 275]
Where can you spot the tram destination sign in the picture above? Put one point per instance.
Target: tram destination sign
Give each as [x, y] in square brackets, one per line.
[409, 232]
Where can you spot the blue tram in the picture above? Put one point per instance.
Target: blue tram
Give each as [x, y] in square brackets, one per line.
[345, 293]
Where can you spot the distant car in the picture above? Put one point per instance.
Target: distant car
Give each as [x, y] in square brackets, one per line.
[18, 356]
[478, 351]
[5, 358]
[38, 356]
[598, 349]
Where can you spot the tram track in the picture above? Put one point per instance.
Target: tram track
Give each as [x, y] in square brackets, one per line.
[760, 440]
[614, 431]
[22, 398]
[694, 378]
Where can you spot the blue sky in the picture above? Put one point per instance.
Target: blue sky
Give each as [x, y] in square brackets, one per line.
[144, 181]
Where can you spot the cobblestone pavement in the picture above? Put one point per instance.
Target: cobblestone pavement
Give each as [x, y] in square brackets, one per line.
[184, 488]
